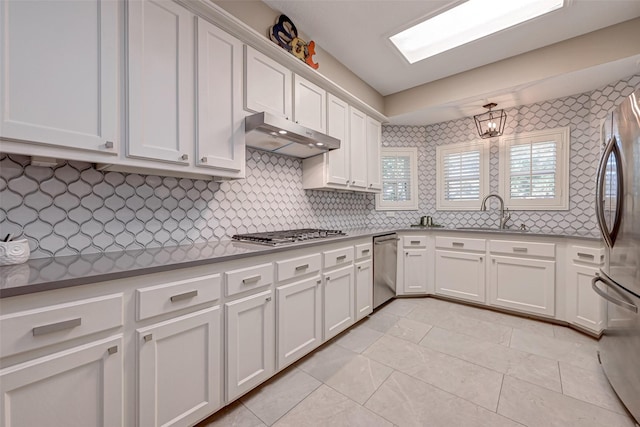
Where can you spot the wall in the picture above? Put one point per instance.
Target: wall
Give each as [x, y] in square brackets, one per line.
[76, 209]
[261, 17]
[582, 112]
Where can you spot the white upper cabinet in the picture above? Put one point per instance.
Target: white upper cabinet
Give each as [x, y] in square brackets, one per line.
[220, 133]
[161, 84]
[374, 140]
[310, 105]
[59, 73]
[267, 85]
[358, 148]
[338, 127]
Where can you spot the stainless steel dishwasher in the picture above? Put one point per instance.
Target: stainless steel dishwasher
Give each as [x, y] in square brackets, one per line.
[385, 258]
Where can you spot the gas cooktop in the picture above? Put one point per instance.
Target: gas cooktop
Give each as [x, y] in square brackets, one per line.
[276, 238]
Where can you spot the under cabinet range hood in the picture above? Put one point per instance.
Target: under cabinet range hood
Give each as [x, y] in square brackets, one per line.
[267, 132]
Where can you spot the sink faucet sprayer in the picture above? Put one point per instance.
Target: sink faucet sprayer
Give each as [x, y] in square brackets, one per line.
[503, 217]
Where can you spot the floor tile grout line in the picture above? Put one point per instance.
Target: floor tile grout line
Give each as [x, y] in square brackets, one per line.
[362, 406]
[560, 376]
[500, 394]
[320, 383]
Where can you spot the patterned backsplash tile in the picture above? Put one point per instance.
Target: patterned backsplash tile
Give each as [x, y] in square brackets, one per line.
[74, 208]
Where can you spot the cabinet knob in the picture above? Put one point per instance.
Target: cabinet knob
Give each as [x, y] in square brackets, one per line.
[370, 185]
[353, 182]
[480, 259]
[359, 267]
[147, 338]
[267, 299]
[203, 160]
[112, 350]
[286, 118]
[318, 282]
[108, 145]
[328, 278]
[184, 157]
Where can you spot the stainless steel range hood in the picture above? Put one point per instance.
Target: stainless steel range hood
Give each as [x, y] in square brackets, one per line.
[267, 132]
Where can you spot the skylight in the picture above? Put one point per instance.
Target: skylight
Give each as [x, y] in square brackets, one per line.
[465, 23]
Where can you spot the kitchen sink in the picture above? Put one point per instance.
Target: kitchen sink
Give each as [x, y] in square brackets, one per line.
[516, 230]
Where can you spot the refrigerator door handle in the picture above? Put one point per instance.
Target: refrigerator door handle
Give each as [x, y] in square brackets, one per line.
[611, 149]
[624, 304]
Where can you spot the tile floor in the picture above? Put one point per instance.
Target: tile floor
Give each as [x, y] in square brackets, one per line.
[427, 362]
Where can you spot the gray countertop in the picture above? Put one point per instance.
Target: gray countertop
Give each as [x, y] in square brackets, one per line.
[43, 274]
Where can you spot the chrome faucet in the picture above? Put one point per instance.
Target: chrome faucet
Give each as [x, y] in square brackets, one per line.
[503, 217]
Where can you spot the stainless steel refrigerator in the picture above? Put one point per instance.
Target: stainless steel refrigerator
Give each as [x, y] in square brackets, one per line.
[618, 213]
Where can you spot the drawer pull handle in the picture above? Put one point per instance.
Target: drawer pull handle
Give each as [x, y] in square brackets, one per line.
[341, 258]
[365, 251]
[185, 295]
[415, 242]
[112, 350]
[147, 338]
[252, 279]
[302, 267]
[55, 327]
[583, 255]
[457, 244]
[515, 249]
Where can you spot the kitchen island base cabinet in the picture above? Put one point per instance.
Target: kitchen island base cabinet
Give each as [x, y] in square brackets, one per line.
[250, 324]
[526, 285]
[179, 369]
[339, 305]
[78, 387]
[364, 289]
[299, 319]
[460, 275]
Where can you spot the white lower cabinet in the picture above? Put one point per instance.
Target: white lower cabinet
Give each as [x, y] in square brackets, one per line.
[460, 275]
[78, 387]
[250, 342]
[299, 319]
[179, 369]
[522, 284]
[339, 306]
[364, 289]
[414, 267]
[584, 306]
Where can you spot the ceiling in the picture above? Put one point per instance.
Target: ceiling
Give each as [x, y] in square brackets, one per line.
[356, 33]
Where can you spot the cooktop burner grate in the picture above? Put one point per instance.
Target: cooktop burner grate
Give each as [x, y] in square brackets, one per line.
[275, 238]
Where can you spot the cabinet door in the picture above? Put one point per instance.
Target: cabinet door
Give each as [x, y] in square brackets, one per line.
[339, 305]
[78, 387]
[364, 289]
[522, 284]
[460, 275]
[179, 369]
[160, 69]
[374, 139]
[267, 85]
[299, 319]
[415, 271]
[338, 127]
[358, 146]
[250, 342]
[309, 104]
[584, 306]
[220, 135]
[59, 73]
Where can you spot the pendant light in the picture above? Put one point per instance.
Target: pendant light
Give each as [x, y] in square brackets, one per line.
[491, 123]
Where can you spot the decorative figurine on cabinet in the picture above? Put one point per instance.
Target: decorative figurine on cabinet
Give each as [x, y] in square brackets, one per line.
[285, 34]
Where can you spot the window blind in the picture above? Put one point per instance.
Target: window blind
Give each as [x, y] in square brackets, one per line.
[396, 178]
[461, 173]
[533, 170]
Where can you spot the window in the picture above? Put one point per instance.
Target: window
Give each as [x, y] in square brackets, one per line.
[534, 170]
[462, 176]
[399, 180]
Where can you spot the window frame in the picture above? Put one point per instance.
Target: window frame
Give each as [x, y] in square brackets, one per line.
[413, 203]
[562, 138]
[462, 205]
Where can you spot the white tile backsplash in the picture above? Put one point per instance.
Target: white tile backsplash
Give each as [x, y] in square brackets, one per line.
[74, 208]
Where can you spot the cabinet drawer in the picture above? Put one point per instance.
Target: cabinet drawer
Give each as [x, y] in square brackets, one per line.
[460, 243]
[586, 254]
[245, 279]
[364, 250]
[168, 297]
[414, 241]
[338, 257]
[522, 248]
[295, 267]
[31, 329]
